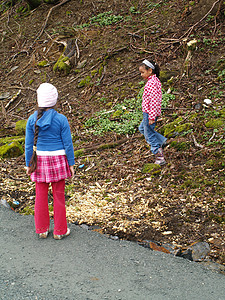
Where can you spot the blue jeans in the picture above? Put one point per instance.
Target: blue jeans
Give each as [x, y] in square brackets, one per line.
[153, 138]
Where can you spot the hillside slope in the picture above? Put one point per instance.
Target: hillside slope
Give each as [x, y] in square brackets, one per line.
[180, 203]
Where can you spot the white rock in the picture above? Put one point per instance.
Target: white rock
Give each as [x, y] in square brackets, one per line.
[208, 101]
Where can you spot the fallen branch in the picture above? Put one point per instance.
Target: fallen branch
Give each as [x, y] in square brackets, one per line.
[109, 145]
[21, 88]
[187, 33]
[135, 74]
[14, 178]
[149, 12]
[103, 75]
[141, 49]
[13, 99]
[176, 108]
[49, 12]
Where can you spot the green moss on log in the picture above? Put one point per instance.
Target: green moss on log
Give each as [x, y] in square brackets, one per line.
[79, 152]
[10, 139]
[175, 126]
[21, 127]
[84, 82]
[215, 123]
[27, 211]
[179, 145]
[216, 164]
[13, 149]
[148, 168]
[62, 65]
[43, 63]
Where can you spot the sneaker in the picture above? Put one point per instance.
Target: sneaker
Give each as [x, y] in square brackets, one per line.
[43, 235]
[160, 160]
[59, 237]
[160, 152]
[165, 145]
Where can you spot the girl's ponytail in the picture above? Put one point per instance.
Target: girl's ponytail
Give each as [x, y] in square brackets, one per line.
[156, 71]
[33, 161]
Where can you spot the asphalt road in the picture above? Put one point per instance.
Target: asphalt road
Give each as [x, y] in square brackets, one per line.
[90, 266]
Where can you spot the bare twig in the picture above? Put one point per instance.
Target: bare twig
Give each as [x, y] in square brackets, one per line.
[17, 54]
[149, 12]
[15, 106]
[212, 136]
[67, 103]
[196, 143]
[78, 51]
[103, 75]
[217, 13]
[5, 114]
[141, 49]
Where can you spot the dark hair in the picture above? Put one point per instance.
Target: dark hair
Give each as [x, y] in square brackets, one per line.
[155, 71]
[33, 161]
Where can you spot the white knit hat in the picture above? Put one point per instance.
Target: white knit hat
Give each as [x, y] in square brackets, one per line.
[47, 95]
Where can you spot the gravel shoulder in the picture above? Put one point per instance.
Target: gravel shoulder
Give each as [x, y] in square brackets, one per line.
[88, 265]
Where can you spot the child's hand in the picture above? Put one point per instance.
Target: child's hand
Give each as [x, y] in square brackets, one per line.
[72, 171]
[28, 171]
[151, 122]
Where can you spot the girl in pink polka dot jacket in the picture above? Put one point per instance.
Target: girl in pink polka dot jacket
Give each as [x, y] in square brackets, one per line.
[151, 107]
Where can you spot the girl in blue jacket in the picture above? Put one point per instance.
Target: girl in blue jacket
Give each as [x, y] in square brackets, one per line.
[49, 159]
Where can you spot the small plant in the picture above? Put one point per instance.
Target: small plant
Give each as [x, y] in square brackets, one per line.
[166, 98]
[207, 41]
[186, 132]
[103, 19]
[134, 10]
[221, 75]
[154, 5]
[209, 18]
[123, 118]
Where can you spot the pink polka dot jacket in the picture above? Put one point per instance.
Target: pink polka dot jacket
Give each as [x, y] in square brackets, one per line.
[152, 97]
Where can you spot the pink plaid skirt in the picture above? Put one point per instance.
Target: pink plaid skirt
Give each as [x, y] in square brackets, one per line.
[51, 169]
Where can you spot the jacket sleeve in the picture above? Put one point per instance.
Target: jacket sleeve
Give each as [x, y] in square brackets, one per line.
[67, 142]
[29, 142]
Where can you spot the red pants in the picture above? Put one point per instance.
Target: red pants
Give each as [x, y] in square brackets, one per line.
[41, 212]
